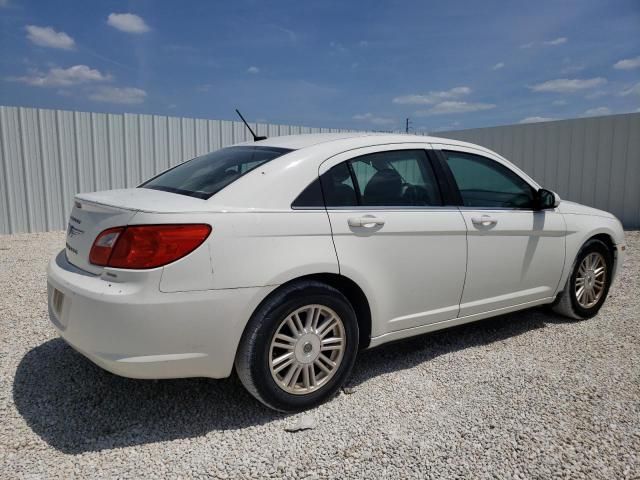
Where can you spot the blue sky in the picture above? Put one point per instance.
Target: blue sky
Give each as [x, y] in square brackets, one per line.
[446, 65]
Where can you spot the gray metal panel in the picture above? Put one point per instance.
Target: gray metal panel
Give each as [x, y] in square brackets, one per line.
[631, 207]
[595, 161]
[55, 207]
[147, 147]
[14, 170]
[174, 141]
[160, 144]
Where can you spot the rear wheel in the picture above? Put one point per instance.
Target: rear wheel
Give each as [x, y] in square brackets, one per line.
[588, 285]
[299, 347]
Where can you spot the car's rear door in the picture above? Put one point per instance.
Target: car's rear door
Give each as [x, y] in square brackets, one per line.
[393, 236]
[515, 252]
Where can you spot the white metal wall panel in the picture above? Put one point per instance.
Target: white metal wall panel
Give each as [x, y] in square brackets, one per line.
[595, 161]
[47, 156]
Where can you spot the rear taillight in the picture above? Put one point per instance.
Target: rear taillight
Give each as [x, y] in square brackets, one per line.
[146, 246]
[103, 245]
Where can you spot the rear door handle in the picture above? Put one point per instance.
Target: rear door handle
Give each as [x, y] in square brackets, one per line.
[368, 221]
[484, 220]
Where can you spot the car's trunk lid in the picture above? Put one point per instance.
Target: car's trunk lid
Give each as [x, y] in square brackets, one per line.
[93, 213]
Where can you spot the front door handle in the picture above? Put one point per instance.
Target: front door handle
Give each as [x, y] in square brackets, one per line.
[368, 221]
[484, 221]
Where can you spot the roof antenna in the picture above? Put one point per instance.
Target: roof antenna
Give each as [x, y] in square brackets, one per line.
[255, 137]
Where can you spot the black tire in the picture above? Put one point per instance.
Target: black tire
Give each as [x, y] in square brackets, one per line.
[252, 359]
[566, 303]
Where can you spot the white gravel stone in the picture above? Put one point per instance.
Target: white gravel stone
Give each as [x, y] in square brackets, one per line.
[525, 395]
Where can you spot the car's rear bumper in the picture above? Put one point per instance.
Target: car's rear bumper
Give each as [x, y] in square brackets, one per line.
[139, 332]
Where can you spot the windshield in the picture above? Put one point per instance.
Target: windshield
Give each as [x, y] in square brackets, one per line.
[204, 176]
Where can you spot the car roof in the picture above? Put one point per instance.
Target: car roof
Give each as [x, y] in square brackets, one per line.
[355, 139]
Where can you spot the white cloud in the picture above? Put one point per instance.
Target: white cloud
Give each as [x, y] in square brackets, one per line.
[373, 119]
[635, 89]
[498, 66]
[566, 85]
[4, 3]
[432, 97]
[555, 41]
[63, 77]
[627, 63]
[559, 102]
[125, 95]
[48, 37]
[594, 112]
[546, 43]
[535, 119]
[447, 107]
[127, 22]
[253, 70]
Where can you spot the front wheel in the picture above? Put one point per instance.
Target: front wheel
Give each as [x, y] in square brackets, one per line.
[588, 285]
[299, 347]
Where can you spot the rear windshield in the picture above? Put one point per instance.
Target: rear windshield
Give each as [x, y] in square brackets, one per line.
[204, 176]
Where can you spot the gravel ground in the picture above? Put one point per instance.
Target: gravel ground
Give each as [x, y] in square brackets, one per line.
[525, 395]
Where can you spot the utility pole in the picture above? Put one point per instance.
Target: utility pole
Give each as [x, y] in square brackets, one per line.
[406, 127]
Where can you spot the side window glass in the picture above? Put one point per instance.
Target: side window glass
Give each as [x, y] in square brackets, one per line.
[310, 196]
[396, 178]
[338, 188]
[485, 183]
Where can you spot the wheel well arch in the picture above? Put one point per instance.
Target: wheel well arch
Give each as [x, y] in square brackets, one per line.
[351, 290]
[609, 242]
[606, 239]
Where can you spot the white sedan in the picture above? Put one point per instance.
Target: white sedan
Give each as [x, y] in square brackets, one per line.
[286, 256]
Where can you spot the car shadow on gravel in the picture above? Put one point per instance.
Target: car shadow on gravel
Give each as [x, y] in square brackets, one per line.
[77, 407]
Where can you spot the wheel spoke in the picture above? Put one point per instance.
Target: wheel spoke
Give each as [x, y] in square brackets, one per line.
[326, 327]
[308, 321]
[316, 318]
[298, 322]
[293, 327]
[321, 366]
[580, 293]
[332, 343]
[284, 341]
[598, 272]
[579, 281]
[292, 376]
[312, 376]
[329, 362]
[285, 361]
[305, 376]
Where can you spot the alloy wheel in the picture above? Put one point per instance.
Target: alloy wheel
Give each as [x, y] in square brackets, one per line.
[307, 349]
[591, 280]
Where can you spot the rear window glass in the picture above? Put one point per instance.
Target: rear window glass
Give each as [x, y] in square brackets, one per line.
[204, 176]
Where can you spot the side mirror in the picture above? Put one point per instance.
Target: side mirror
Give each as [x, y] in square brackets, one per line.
[547, 199]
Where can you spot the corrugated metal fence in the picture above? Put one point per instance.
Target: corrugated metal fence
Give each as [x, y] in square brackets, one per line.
[595, 161]
[47, 156]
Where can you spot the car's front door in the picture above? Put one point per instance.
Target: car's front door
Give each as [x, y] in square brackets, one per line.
[393, 236]
[515, 252]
